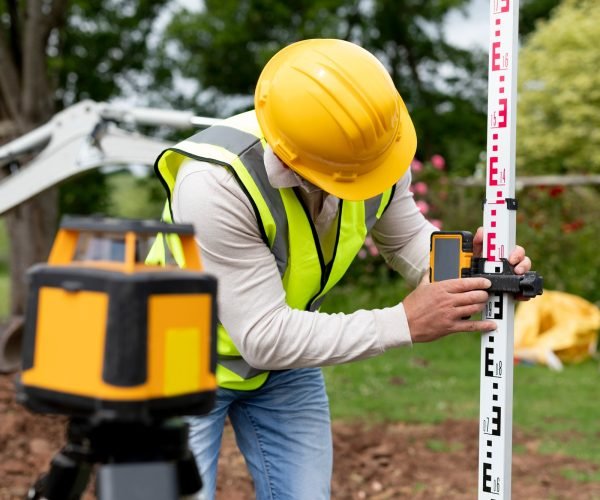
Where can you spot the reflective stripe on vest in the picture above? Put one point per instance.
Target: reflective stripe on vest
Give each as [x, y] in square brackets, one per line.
[166, 243]
[284, 223]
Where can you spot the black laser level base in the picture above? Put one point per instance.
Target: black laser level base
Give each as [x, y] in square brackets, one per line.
[149, 461]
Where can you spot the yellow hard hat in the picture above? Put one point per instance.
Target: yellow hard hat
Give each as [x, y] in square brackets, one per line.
[330, 111]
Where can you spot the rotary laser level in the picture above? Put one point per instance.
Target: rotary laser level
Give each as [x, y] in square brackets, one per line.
[121, 346]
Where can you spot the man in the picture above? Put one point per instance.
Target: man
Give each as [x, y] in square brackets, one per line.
[282, 199]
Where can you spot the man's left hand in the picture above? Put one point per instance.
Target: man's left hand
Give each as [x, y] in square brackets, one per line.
[517, 257]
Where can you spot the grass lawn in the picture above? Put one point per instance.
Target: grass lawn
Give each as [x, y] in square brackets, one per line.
[432, 382]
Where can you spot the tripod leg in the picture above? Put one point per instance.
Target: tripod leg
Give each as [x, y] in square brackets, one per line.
[66, 480]
[188, 476]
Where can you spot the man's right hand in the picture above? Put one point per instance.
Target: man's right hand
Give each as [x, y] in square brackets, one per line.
[434, 310]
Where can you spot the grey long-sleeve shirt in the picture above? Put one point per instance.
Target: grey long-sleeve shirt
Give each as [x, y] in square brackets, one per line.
[269, 334]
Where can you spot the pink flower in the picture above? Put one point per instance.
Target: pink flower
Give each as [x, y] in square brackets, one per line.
[420, 188]
[362, 254]
[423, 206]
[437, 223]
[569, 227]
[372, 249]
[416, 165]
[438, 162]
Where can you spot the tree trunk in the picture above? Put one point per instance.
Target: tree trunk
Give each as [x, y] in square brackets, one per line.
[26, 100]
[31, 228]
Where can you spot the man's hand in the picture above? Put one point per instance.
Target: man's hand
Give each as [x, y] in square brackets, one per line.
[517, 257]
[434, 310]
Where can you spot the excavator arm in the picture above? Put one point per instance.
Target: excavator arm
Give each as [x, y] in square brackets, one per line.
[84, 136]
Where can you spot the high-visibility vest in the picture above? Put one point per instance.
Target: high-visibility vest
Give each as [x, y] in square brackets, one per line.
[283, 221]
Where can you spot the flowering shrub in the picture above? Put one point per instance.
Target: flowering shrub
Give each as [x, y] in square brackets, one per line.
[438, 162]
[430, 189]
[557, 225]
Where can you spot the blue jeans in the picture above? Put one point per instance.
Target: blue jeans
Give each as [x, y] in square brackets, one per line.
[283, 430]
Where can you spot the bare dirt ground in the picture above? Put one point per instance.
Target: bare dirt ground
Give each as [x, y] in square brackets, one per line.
[387, 461]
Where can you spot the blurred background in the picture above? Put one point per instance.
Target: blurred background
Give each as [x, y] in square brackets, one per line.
[205, 57]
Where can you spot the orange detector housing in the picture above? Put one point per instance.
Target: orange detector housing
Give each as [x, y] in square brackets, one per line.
[110, 336]
[450, 255]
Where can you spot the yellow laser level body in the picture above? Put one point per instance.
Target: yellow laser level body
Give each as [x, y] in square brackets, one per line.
[109, 335]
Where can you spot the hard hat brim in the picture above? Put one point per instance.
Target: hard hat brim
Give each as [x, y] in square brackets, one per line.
[378, 179]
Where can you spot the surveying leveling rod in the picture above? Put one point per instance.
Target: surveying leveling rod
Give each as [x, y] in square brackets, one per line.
[499, 223]
[452, 257]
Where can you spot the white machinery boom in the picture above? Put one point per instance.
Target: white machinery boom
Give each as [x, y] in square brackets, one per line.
[80, 138]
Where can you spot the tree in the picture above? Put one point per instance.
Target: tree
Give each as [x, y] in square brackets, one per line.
[225, 46]
[54, 53]
[26, 101]
[533, 11]
[443, 86]
[559, 100]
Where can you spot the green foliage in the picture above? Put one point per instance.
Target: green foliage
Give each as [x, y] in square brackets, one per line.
[118, 194]
[225, 46]
[447, 107]
[559, 227]
[531, 12]
[135, 197]
[101, 52]
[102, 48]
[559, 100]
[374, 286]
[85, 195]
[431, 188]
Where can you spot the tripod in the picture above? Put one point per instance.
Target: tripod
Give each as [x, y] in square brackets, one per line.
[136, 461]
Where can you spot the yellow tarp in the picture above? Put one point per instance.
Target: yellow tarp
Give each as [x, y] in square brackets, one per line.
[556, 328]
